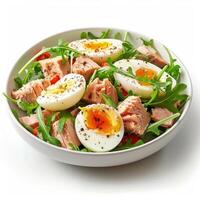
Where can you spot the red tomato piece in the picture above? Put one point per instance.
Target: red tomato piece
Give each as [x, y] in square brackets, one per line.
[54, 79]
[104, 64]
[43, 56]
[134, 138]
[35, 131]
[124, 93]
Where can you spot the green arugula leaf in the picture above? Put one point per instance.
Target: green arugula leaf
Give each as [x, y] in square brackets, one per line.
[154, 95]
[102, 73]
[64, 116]
[18, 82]
[119, 93]
[74, 147]
[34, 72]
[84, 35]
[108, 100]
[23, 105]
[105, 34]
[77, 148]
[90, 35]
[154, 128]
[169, 100]
[149, 43]
[118, 36]
[15, 113]
[173, 68]
[45, 130]
[129, 51]
[128, 145]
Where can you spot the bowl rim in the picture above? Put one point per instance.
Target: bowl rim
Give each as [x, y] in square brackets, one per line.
[176, 125]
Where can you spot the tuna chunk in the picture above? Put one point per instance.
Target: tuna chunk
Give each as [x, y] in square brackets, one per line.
[94, 91]
[30, 91]
[32, 120]
[134, 115]
[161, 113]
[152, 56]
[84, 66]
[67, 136]
[54, 66]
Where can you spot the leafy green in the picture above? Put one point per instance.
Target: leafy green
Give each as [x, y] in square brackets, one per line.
[15, 113]
[126, 36]
[77, 148]
[102, 73]
[32, 73]
[129, 51]
[44, 130]
[25, 106]
[128, 145]
[157, 88]
[108, 100]
[173, 68]
[118, 36]
[84, 35]
[74, 147]
[120, 95]
[18, 82]
[64, 116]
[90, 35]
[149, 43]
[169, 100]
[154, 128]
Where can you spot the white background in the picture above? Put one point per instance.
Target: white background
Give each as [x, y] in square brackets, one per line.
[172, 173]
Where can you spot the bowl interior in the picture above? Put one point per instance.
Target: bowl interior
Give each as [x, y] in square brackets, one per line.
[75, 35]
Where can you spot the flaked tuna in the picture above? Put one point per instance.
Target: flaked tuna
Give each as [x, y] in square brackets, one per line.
[161, 113]
[95, 89]
[30, 91]
[67, 136]
[54, 66]
[32, 120]
[134, 115]
[84, 66]
[149, 54]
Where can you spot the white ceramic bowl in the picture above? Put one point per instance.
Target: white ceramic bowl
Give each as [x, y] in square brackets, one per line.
[88, 158]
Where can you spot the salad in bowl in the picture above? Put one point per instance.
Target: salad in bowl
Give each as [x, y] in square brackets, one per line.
[99, 93]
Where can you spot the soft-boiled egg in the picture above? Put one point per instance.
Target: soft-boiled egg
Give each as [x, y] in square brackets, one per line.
[63, 94]
[139, 68]
[99, 127]
[98, 49]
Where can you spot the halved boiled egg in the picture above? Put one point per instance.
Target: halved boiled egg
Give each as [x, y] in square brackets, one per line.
[98, 49]
[139, 68]
[99, 127]
[63, 94]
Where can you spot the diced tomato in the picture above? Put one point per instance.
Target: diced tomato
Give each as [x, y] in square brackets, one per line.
[43, 56]
[134, 138]
[124, 93]
[54, 79]
[35, 131]
[104, 64]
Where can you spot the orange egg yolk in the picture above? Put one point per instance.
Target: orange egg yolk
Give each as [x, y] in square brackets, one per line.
[97, 45]
[102, 121]
[145, 72]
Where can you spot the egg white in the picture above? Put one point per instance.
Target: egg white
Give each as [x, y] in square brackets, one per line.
[127, 83]
[113, 51]
[94, 141]
[65, 99]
